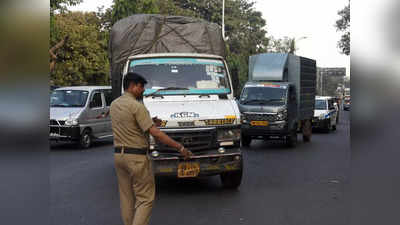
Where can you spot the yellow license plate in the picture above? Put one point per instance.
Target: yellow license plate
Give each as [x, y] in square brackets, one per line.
[259, 123]
[188, 169]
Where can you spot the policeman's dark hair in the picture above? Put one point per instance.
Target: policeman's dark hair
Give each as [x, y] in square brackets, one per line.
[133, 78]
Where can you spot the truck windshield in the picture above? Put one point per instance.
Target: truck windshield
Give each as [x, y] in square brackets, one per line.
[320, 104]
[68, 98]
[263, 96]
[182, 75]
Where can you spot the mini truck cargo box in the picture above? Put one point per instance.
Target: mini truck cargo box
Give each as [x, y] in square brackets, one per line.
[189, 88]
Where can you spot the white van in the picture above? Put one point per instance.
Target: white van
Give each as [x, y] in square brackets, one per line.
[80, 114]
[325, 113]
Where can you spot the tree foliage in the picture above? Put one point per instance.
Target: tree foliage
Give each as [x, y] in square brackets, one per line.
[83, 60]
[343, 25]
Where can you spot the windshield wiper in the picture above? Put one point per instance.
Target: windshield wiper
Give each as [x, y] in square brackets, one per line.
[165, 89]
[254, 100]
[274, 99]
[58, 105]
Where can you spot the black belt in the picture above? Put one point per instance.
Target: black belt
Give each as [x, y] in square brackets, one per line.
[138, 151]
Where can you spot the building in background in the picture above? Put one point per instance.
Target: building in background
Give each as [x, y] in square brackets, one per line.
[331, 81]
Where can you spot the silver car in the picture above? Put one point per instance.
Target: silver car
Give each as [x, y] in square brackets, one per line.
[80, 114]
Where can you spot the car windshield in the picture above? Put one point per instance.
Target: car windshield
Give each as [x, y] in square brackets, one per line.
[68, 98]
[263, 95]
[182, 75]
[320, 104]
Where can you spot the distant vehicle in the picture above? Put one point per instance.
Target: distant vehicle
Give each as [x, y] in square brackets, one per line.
[347, 103]
[275, 102]
[80, 114]
[325, 113]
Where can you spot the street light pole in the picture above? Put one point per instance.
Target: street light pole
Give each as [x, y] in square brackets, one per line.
[223, 19]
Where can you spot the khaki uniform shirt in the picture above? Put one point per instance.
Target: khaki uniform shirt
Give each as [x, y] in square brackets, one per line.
[131, 122]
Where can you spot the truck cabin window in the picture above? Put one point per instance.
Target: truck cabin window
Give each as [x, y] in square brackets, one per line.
[68, 98]
[188, 75]
[263, 96]
[320, 105]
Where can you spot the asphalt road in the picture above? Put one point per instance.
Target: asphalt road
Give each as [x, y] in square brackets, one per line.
[280, 186]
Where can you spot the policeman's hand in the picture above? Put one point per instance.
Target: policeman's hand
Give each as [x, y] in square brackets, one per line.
[157, 121]
[186, 153]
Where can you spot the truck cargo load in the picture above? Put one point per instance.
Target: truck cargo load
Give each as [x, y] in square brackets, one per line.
[146, 34]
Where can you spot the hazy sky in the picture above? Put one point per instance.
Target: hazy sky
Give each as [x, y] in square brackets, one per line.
[313, 19]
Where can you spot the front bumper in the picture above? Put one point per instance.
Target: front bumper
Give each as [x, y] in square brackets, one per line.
[273, 130]
[64, 133]
[318, 123]
[211, 162]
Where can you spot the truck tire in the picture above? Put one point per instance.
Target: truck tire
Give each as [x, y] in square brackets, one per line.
[232, 180]
[291, 140]
[85, 140]
[246, 140]
[307, 131]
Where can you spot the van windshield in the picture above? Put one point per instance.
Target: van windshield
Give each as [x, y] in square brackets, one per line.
[182, 75]
[68, 98]
[320, 105]
[263, 96]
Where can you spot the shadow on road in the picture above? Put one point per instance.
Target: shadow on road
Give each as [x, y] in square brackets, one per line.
[206, 185]
[70, 146]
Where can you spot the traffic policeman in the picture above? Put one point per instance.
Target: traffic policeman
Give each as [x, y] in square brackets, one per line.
[131, 125]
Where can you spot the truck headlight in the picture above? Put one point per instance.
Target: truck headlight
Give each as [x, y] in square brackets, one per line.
[71, 122]
[282, 115]
[243, 118]
[323, 116]
[228, 134]
[152, 142]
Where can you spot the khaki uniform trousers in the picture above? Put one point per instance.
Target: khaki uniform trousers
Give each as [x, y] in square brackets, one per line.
[136, 187]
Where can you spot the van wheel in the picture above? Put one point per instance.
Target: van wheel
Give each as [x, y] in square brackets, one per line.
[232, 180]
[246, 140]
[86, 139]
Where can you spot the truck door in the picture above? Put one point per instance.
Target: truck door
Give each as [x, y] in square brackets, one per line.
[292, 105]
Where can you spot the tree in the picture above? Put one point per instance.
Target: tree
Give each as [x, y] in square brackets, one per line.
[285, 45]
[245, 28]
[343, 25]
[83, 61]
[57, 5]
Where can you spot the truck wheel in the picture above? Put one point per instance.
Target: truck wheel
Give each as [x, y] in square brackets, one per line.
[291, 140]
[307, 131]
[246, 140]
[86, 139]
[334, 127]
[232, 180]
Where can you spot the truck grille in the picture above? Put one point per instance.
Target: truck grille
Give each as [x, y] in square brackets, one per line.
[55, 123]
[194, 140]
[261, 117]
